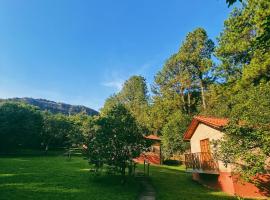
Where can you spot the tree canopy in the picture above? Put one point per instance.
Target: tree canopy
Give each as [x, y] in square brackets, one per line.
[117, 139]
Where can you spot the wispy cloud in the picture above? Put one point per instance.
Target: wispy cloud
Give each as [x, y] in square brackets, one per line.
[115, 78]
[116, 84]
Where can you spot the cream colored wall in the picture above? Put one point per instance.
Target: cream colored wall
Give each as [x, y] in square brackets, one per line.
[206, 132]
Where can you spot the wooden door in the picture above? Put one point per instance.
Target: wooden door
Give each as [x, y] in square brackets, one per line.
[205, 156]
[205, 146]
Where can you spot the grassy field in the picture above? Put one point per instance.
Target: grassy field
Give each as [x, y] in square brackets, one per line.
[53, 177]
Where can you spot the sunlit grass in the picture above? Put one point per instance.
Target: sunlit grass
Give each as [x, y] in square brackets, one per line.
[52, 178]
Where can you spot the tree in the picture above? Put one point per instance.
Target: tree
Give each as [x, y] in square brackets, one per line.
[57, 131]
[83, 128]
[174, 82]
[117, 139]
[20, 126]
[195, 53]
[172, 135]
[134, 95]
[244, 44]
[110, 102]
[247, 139]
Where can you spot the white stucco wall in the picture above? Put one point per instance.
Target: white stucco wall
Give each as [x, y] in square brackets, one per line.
[206, 132]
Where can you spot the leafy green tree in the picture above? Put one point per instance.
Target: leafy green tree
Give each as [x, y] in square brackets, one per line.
[83, 128]
[117, 140]
[57, 131]
[239, 49]
[110, 102]
[172, 135]
[20, 126]
[247, 139]
[134, 95]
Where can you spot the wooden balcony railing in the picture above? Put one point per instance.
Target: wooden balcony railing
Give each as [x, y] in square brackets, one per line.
[201, 161]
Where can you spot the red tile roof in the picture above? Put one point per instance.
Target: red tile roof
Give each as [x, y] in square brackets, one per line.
[152, 137]
[218, 122]
[150, 157]
[210, 121]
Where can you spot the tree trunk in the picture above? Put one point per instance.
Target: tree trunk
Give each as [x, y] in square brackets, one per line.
[203, 94]
[183, 99]
[189, 102]
[123, 173]
[46, 148]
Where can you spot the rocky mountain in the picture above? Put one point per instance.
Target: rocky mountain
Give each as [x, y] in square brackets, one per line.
[54, 107]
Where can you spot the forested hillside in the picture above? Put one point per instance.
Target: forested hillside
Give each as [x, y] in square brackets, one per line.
[54, 107]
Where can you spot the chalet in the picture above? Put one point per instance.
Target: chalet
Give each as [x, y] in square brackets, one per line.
[211, 172]
[153, 156]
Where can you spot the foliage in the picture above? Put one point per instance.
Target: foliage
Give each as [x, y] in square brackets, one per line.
[57, 131]
[238, 43]
[179, 90]
[195, 53]
[247, 138]
[172, 135]
[117, 140]
[23, 126]
[187, 72]
[244, 95]
[134, 95]
[20, 126]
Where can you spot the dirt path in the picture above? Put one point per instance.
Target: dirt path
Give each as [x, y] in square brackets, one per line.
[148, 191]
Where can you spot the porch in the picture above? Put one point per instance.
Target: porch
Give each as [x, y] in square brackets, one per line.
[201, 162]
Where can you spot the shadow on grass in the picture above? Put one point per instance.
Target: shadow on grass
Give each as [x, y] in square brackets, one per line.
[172, 183]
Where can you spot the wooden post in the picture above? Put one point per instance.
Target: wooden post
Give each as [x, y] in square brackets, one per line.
[148, 164]
[134, 168]
[144, 167]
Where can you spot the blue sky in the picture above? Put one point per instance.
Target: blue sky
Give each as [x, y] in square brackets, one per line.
[81, 51]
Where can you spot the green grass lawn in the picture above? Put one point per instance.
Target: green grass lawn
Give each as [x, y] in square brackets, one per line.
[173, 183]
[53, 178]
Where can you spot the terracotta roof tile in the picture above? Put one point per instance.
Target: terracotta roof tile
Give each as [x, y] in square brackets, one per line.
[152, 137]
[219, 122]
[210, 121]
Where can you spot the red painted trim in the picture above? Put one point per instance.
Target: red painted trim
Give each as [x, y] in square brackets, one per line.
[232, 185]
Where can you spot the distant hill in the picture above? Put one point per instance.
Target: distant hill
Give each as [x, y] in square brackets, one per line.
[54, 107]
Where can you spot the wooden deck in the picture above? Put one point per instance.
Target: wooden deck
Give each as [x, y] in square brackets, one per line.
[201, 162]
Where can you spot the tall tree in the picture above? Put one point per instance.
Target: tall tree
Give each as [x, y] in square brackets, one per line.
[195, 53]
[134, 95]
[243, 46]
[174, 81]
